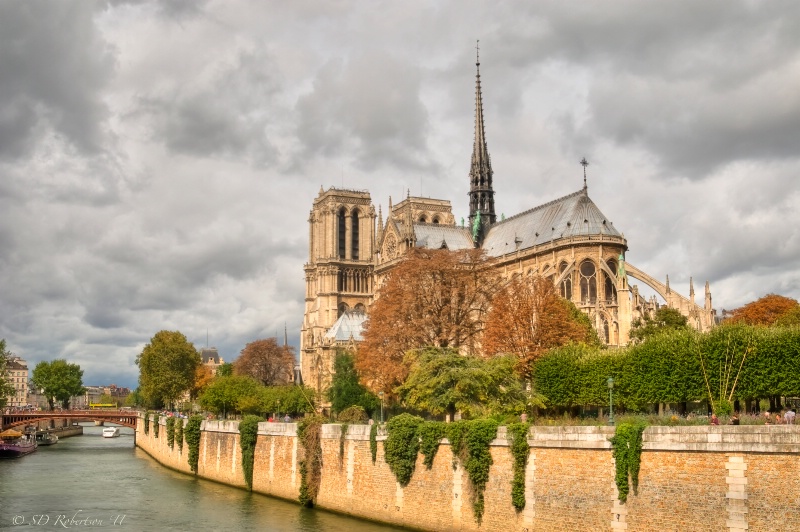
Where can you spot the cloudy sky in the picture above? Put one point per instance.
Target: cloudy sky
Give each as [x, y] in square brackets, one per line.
[158, 160]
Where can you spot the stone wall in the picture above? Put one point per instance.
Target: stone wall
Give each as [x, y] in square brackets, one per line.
[691, 478]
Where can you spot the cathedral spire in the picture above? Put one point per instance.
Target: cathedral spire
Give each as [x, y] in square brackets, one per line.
[481, 194]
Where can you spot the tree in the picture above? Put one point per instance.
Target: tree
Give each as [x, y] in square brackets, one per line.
[436, 298]
[6, 388]
[266, 361]
[528, 318]
[765, 311]
[106, 399]
[665, 319]
[225, 370]
[203, 376]
[58, 381]
[229, 394]
[134, 398]
[346, 390]
[167, 368]
[442, 381]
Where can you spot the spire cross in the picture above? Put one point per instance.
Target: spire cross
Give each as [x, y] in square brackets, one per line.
[585, 163]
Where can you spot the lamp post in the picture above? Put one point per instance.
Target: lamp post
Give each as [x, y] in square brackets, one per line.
[610, 383]
[380, 394]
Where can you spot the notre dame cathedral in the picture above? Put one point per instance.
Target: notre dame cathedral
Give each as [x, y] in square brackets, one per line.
[568, 240]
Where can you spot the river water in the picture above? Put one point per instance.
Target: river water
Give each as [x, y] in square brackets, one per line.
[90, 482]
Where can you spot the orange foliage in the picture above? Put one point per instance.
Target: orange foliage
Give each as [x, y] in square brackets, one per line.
[432, 298]
[527, 318]
[266, 361]
[203, 376]
[765, 311]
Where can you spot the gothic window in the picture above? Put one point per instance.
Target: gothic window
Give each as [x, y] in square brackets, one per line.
[360, 308]
[610, 287]
[566, 284]
[354, 235]
[423, 219]
[342, 309]
[341, 231]
[588, 281]
[605, 330]
[436, 219]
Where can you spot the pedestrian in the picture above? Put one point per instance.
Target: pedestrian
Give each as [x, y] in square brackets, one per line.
[287, 419]
[777, 418]
[788, 417]
[714, 419]
[734, 419]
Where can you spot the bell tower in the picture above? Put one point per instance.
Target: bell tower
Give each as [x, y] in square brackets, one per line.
[339, 273]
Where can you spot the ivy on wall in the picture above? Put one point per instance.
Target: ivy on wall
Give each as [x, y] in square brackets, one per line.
[373, 442]
[156, 420]
[401, 446]
[248, 434]
[147, 422]
[342, 438]
[430, 435]
[627, 451]
[520, 450]
[171, 432]
[179, 433]
[309, 432]
[192, 435]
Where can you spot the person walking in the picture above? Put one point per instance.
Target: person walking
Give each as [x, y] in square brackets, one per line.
[788, 417]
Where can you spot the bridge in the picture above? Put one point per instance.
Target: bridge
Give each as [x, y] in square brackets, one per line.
[126, 418]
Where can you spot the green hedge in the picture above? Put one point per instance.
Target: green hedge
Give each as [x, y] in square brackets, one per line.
[732, 361]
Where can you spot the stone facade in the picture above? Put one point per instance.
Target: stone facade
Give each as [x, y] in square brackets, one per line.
[691, 478]
[567, 240]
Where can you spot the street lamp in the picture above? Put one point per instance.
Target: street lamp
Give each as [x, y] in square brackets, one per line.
[610, 383]
[380, 394]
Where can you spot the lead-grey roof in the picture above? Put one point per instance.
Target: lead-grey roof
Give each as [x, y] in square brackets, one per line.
[434, 236]
[572, 215]
[349, 325]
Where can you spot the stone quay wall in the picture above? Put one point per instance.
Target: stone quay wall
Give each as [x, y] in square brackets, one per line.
[692, 478]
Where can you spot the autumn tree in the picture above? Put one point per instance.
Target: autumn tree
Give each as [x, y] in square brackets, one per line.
[528, 317]
[765, 311]
[58, 380]
[436, 298]
[167, 368]
[203, 376]
[266, 361]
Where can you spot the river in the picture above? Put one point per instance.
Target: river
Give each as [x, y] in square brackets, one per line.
[91, 482]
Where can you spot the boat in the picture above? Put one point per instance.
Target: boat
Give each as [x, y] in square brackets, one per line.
[13, 444]
[45, 438]
[111, 432]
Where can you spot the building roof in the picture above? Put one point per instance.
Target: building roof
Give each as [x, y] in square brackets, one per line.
[210, 355]
[348, 326]
[435, 236]
[569, 216]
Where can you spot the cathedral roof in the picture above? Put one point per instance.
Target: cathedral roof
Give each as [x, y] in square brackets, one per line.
[569, 216]
[436, 236]
[348, 326]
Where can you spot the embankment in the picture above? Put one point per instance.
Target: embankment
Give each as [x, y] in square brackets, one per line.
[691, 478]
